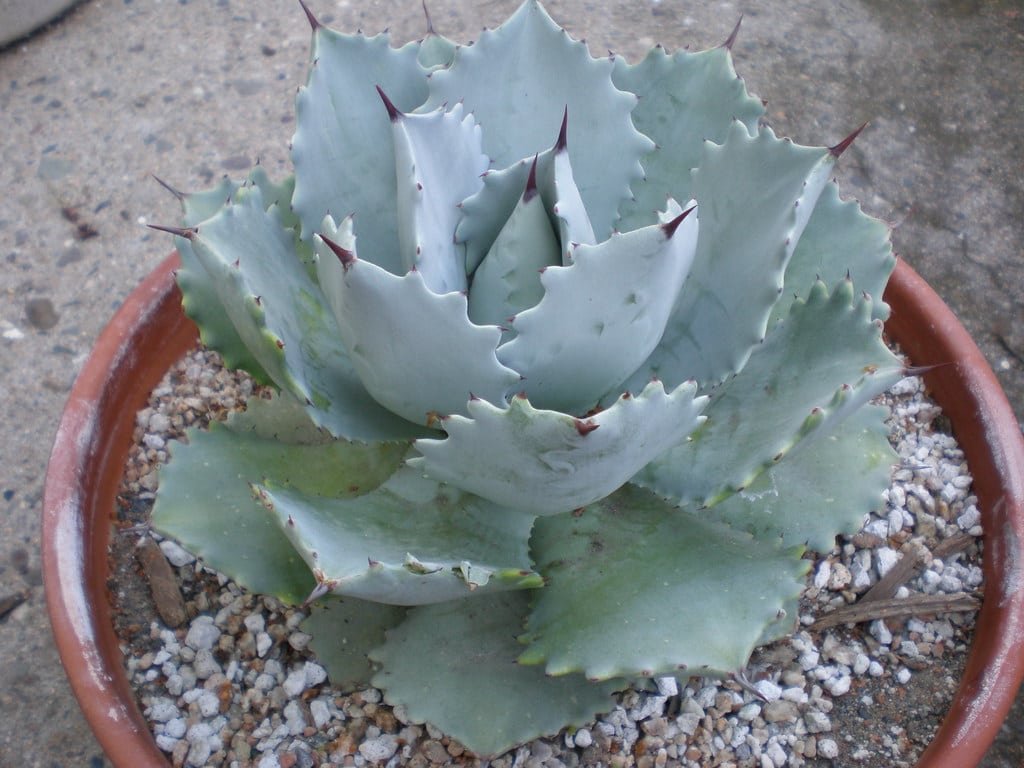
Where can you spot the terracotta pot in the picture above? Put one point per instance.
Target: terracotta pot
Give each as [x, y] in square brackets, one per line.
[150, 332]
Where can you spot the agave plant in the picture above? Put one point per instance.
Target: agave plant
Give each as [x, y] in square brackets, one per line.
[569, 358]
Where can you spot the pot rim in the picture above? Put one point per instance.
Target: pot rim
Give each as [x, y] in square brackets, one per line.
[93, 439]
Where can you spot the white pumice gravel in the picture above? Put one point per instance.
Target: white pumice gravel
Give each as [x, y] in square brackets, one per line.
[238, 685]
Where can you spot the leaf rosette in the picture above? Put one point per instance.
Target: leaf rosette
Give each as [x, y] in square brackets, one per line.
[544, 350]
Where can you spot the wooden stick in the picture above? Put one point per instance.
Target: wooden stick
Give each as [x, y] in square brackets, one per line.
[915, 555]
[914, 605]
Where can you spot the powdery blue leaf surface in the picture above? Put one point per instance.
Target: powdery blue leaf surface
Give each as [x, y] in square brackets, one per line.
[601, 316]
[283, 319]
[214, 515]
[342, 149]
[840, 240]
[522, 117]
[409, 542]
[344, 631]
[436, 51]
[416, 351]
[279, 417]
[547, 462]
[558, 188]
[685, 99]
[439, 162]
[827, 358]
[485, 213]
[453, 665]
[753, 196]
[508, 280]
[199, 295]
[636, 587]
[821, 489]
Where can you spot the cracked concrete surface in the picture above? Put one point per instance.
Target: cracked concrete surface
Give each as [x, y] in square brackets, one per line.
[121, 89]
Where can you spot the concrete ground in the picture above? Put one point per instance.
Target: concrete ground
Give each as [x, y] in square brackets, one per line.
[121, 89]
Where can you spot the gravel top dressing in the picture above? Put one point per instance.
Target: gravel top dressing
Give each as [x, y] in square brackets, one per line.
[227, 678]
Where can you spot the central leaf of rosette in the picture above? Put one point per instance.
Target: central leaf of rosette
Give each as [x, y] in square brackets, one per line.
[547, 319]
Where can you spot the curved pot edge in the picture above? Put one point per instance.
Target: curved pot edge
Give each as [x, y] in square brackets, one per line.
[75, 575]
[987, 430]
[82, 479]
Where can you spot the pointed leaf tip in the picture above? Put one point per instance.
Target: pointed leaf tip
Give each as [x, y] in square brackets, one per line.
[430, 23]
[563, 137]
[322, 588]
[187, 233]
[345, 256]
[314, 22]
[670, 227]
[168, 187]
[843, 145]
[731, 39]
[531, 182]
[393, 111]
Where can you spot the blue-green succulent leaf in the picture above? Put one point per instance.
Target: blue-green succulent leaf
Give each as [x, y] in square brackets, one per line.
[484, 214]
[409, 542]
[754, 193]
[522, 117]
[636, 587]
[281, 316]
[823, 488]
[279, 416]
[453, 665]
[439, 162]
[196, 207]
[840, 240]
[213, 514]
[278, 195]
[547, 462]
[344, 631]
[342, 149]
[416, 351]
[684, 99]
[559, 190]
[600, 317]
[199, 295]
[508, 281]
[813, 369]
[436, 51]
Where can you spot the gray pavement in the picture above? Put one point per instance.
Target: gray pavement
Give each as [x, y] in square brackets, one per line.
[121, 89]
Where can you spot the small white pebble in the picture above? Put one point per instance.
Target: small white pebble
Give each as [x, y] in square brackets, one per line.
[823, 574]
[885, 558]
[321, 713]
[970, 518]
[295, 683]
[828, 749]
[255, 623]
[881, 632]
[379, 749]
[202, 634]
[769, 691]
[667, 686]
[861, 664]
[263, 644]
[748, 712]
